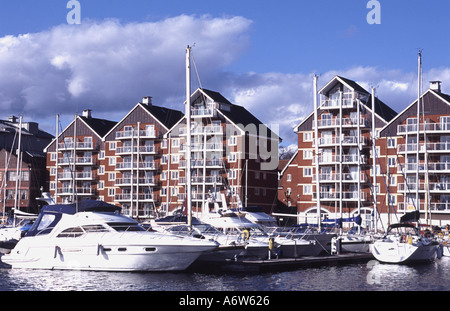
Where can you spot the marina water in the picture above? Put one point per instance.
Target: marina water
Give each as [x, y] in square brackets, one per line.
[370, 276]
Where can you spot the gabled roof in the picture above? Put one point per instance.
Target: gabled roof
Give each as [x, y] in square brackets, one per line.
[445, 98]
[99, 126]
[383, 111]
[167, 117]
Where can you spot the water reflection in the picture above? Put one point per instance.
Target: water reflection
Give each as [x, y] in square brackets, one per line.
[371, 276]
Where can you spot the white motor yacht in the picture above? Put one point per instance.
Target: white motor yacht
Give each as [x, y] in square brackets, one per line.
[403, 243]
[92, 235]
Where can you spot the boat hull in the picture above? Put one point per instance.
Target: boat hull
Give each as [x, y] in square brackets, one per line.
[107, 254]
[394, 252]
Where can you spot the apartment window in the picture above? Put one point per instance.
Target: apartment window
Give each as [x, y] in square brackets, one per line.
[232, 141]
[307, 189]
[175, 158]
[307, 172]
[101, 185]
[164, 144]
[289, 177]
[112, 161]
[391, 161]
[101, 155]
[101, 170]
[53, 156]
[112, 145]
[52, 186]
[163, 191]
[163, 175]
[53, 171]
[256, 191]
[112, 176]
[307, 154]
[164, 159]
[256, 175]
[232, 174]
[232, 157]
[393, 180]
[391, 142]
[174, 174]
[307, 136]
[111, 192]
[175, 143]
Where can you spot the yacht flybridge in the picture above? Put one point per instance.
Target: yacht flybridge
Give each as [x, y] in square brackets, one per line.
[92, 235]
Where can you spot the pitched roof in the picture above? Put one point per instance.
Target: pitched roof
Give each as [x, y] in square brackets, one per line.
[168, 117]
[99, 126]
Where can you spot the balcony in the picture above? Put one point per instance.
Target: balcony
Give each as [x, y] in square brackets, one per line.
[135, 134]
[346, 141]
[209, 130]
[81, 191]
[79, 161]
[202, 111]
[435, 167]
[127, 197]
[201, 163]
[134, 150]
[347, 159]
[336, 103]
[443, 147]
[127, 182]
[218, 180]
[217, 146]
[336, 177]
[429, 128]
[346, 196]
[79, 146]
[77, 176]
[336, 122]
[432, 187]
[434, 207]
[126, 166]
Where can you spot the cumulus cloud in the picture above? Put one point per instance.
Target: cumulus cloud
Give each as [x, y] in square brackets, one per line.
[109, 66]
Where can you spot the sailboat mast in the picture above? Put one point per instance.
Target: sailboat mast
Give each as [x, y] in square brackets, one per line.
[374, 163]
[316, 134]
[418, 131]
[188, 137]
[18, 173]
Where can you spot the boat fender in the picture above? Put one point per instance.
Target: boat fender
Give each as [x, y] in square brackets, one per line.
[245, 235]
[271, 242]
[410, 240]
[440, 235]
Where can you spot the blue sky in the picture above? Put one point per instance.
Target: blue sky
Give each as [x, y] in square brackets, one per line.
[259, 54]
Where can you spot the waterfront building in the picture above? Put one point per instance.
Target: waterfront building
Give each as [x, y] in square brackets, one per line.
[74, 159]
[139, 162]
[22, 164]
[334, 164]
[414, 150]
[234, 157]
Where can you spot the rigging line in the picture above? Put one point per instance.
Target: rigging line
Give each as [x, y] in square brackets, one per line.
[196, 70]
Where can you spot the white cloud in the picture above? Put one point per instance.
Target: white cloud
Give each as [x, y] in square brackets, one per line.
[110, 66]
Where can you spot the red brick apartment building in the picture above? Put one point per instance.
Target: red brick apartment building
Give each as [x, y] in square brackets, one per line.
[332, 168]
[139, 162]
[415, 156]
[24, 174]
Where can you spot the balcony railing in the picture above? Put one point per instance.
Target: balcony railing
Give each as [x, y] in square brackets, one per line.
[437, 207]
[346, 140]
[430, 147]
[79, 145]
[134, 165]
[348, 196]
[429, 128]
[432, 168]
[135, 133]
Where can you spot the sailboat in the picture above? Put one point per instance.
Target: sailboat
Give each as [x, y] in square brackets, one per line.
[403, 243]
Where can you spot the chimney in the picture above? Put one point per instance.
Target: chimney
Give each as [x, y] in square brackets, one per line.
[87, 113]
[435, 86]
[147, 100]
[12, 119]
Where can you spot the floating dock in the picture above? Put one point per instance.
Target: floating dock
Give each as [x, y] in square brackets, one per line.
[283, 264]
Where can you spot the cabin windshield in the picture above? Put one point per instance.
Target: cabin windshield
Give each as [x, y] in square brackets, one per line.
[125, 226]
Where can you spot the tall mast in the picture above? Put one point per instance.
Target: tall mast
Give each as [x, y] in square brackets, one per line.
[418, 131]
[57, 157]
[374, 163]
[316, 136]
[188, 138]
[18, 173]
